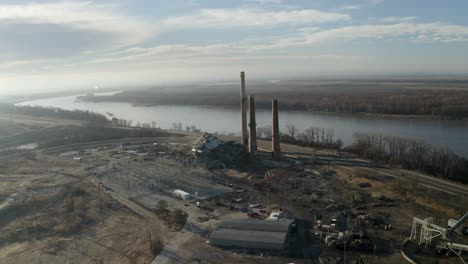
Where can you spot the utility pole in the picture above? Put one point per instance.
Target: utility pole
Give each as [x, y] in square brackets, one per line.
[303, 181]
[268, 199]
[344, 258]
[100, 187]
[150, 241]
[155, 164]
[282, 195]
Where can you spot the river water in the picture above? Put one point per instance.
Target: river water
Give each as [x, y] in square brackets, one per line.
[447, 133]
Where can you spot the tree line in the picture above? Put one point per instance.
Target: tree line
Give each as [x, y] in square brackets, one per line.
[437, 103]
[310, 137]
[88, 116]
[426, 98]
[412, 155]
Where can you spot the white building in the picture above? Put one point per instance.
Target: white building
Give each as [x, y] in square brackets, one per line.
[182, 194]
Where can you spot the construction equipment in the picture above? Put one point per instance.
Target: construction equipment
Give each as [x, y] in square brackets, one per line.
[445, 236]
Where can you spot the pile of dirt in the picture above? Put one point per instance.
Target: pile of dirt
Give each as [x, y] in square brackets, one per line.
[217, 154]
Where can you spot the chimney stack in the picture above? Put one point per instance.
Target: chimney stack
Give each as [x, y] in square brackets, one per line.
[275, 145]
[243, 100]
[252, 126]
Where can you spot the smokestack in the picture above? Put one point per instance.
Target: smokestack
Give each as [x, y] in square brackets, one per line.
[243, 101]
[276, 152]
[252, 126]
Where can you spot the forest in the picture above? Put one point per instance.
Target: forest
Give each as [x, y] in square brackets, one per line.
[397, 151]
[411, 155]
[91, 117]
[428, 98]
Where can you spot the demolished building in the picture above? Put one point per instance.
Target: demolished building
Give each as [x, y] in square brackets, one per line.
[217, 154]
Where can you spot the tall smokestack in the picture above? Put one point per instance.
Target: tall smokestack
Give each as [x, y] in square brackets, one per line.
[276, 152]
[243, 101]
[252, 126]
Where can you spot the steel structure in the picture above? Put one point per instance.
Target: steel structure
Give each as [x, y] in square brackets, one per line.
[428, 232]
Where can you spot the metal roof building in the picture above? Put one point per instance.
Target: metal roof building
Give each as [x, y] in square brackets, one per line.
[252, 234]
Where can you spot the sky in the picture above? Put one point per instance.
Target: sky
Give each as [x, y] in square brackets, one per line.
[60, 45]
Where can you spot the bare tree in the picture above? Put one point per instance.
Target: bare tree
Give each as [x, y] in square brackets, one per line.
[291, 130]
[260, 132]
[302, 137]
[264, 132]
[329, 137]
[268, 133]
[310, 135]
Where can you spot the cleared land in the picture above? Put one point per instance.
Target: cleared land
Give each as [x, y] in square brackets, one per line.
[101, 202]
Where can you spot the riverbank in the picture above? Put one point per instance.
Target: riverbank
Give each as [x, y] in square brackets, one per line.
[79, 98]
[422, 99]
[343, 114]
[225, 120]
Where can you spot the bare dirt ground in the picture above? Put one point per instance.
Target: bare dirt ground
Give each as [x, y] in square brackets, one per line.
[52, 214]
[102, 207]
[11, 124]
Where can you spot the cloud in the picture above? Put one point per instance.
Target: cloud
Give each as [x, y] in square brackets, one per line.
[231, 18]
[349, 7]
[91, 40]
[80, 25]
[428, 32]
[181, 51]
[431, 32]
[376, 2]
[263, 2]
[74, 28]
[398, 19]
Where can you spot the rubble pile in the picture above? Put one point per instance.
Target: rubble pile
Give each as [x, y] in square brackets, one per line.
[217, 154]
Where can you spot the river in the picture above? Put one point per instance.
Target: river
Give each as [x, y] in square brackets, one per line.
[444, 133]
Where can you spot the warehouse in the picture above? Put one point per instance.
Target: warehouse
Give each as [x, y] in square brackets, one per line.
[253, 234]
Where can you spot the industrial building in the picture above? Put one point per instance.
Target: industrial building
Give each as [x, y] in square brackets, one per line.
[182, 194]
[254, 234]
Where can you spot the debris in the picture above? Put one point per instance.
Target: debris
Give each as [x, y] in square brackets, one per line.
[217, 154]
[365, 185]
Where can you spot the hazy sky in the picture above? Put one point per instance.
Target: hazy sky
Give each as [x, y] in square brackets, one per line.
[82, 44]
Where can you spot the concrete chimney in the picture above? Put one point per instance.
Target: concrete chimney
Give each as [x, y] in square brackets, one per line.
[252, 126]
[275, 144]
[243, 101]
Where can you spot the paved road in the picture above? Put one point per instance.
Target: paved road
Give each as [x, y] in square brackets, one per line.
[95, 144]
[326, 157]
[174, 240]
[171, 240]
